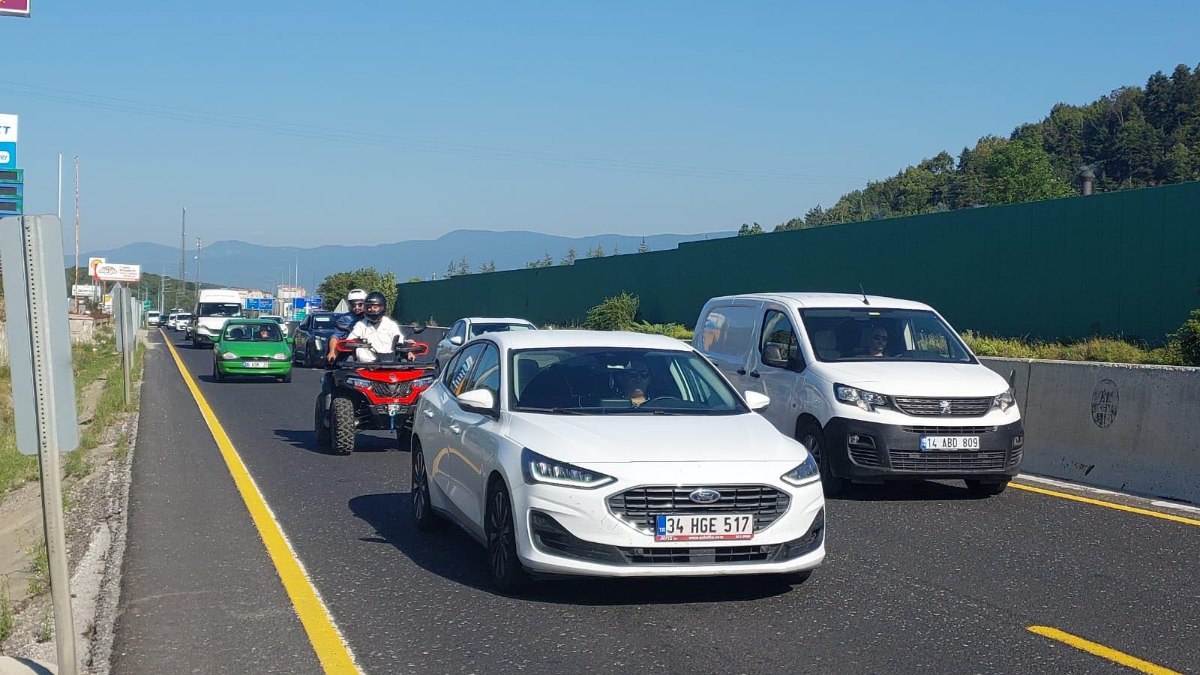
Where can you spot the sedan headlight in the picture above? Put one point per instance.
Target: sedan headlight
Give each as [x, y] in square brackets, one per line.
[229, 356]
[1005, 401]
[804, 474]
[280, 356]
[866, 400]
[540, 469]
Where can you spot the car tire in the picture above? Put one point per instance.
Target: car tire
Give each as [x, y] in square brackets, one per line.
[981, 488]
[286, 378]
[504, 567]
[310, 357]
[217, 376]
[423, 514]
[319, 423]
[344, 429]
[814, 440]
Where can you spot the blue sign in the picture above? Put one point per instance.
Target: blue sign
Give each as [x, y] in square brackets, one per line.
[266, 304]
[8, 155]
[251, 303]
[315, 302]
[299, 303]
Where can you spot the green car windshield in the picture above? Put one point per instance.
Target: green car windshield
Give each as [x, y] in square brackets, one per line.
[262, 332]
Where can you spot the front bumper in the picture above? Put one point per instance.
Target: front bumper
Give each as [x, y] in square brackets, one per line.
[566, 531]
[274, 368]
[871, 451]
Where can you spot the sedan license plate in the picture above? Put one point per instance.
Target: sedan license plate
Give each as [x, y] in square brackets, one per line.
[717, 527]
[255, 364]
[949, 442]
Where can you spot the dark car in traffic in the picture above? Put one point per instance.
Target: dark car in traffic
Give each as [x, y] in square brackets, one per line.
[312, 338]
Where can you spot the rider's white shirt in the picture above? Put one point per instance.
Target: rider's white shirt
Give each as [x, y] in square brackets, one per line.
[379, 337]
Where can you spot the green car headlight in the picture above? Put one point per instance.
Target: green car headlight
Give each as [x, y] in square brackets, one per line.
[229, 356]
[280, 357]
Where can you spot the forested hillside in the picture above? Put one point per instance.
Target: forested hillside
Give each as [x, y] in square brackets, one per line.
[1133, 137]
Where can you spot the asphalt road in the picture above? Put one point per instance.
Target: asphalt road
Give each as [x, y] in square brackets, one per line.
[919, 578]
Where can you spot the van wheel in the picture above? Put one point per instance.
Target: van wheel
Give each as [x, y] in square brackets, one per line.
[813, 439]
[981, 488]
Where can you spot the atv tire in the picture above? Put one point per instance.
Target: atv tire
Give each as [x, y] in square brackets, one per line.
[344, 427]
[323, 435]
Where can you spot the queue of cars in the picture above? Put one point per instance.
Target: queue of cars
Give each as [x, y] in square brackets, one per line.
[623, 454]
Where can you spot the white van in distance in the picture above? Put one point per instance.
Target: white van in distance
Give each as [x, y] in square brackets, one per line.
[876, 388]
[214, 307]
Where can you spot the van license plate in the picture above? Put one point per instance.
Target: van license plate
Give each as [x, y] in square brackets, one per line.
[704, 528]
[949, 442]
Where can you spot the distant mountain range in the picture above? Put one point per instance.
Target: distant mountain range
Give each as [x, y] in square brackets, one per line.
[243, 265]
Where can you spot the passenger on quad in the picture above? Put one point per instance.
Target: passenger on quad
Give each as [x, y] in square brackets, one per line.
[356, 300]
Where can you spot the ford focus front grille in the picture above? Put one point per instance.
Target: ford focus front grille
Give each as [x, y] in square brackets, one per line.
[641, 505]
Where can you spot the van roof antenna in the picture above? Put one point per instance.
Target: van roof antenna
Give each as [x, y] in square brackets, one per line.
[865, 300]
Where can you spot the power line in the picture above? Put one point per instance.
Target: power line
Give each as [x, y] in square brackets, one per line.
[401, 143]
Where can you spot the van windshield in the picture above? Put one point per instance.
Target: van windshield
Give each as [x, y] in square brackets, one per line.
[220, 309]
[867, 334]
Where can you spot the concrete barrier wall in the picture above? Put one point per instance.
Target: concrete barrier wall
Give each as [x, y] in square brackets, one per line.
[1123, 427]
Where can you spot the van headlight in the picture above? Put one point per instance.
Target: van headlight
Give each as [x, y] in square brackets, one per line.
[1005, 401]
[540, 469]
[866, 400]
[804, 474]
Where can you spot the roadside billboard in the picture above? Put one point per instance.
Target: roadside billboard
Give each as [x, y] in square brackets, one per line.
[118, 272]
[93, 263]
[8, 130]
[85, 291]
[15, 7]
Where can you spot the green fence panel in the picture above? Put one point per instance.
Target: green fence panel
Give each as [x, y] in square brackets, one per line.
[1123, 263]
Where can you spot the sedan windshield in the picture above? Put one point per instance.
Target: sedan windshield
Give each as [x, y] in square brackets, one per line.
[478, 329]
[866, 334]
[604, 381]
[245, 332]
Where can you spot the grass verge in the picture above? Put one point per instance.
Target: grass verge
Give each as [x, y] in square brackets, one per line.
[1107, 350]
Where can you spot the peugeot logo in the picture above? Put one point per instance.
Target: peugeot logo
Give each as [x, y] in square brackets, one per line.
[945, 405]
[704, 496]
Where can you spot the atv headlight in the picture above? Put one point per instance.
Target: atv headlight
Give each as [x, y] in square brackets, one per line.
[866, 400]
[804, 474]
[229, 356]
[541, 469]
[359, 383]
[423, 382]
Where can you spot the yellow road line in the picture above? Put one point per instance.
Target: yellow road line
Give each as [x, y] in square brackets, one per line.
[1110, 505]
[326, 641]
[1103, 652]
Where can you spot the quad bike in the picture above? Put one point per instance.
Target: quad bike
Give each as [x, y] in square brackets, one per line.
[379, 395]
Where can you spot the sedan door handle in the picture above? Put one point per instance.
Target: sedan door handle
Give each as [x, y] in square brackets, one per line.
[454, 428]
[754, 373]
[741, 371]
[428, 413]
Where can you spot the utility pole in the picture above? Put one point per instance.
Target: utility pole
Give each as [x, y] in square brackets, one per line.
[76, 217]
[162, 284]
[197, 266]
[182, 255]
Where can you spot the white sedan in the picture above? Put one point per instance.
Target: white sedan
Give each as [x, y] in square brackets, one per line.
[610, 454]
[470, 327]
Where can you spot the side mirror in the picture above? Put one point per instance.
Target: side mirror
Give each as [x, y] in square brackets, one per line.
[775, 362]
[757, 401]
[290, 340]
[456, 340]
[478, 400]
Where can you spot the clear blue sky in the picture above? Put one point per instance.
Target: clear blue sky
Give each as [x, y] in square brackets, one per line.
[309, 123]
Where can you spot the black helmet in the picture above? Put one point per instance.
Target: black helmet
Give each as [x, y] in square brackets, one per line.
[376, 306]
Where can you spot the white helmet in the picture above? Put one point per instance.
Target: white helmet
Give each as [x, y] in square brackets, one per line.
[356, 294]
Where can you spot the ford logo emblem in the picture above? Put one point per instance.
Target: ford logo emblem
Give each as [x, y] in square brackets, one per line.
[704, 496]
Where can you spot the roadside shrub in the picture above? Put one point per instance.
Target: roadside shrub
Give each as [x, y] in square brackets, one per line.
[1185, 342]
[675, 330]
[615, 313]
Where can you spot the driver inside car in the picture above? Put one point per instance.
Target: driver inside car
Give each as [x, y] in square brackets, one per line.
[632, 381]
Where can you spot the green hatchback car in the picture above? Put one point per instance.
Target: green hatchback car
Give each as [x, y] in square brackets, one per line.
[252, 347]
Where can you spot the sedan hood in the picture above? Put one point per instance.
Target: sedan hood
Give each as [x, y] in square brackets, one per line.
[599, 439]
[901, 378]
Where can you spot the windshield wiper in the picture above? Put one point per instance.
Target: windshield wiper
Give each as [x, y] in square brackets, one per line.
[556, 411]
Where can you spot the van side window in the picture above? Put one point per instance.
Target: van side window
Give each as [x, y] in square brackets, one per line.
[778, 346]
[728, 330]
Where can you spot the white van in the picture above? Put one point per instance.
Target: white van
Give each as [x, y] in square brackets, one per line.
[876, 388]
[214, 307]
